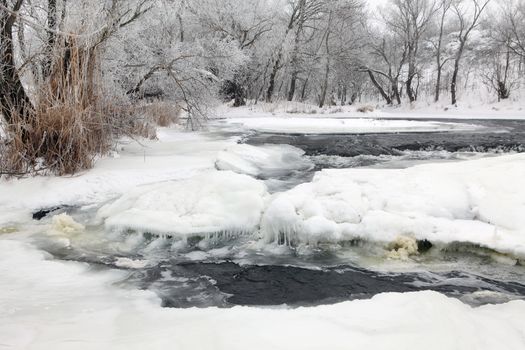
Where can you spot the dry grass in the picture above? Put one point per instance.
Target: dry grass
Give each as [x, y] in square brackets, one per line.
[73, 121]
[61, 138]
[366, 109]
[161, 113]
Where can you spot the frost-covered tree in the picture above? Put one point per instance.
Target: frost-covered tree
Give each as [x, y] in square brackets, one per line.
[467, 20]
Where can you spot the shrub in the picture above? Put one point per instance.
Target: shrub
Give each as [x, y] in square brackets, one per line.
[366, 109]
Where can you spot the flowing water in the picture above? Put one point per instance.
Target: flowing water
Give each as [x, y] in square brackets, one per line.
[226, 271]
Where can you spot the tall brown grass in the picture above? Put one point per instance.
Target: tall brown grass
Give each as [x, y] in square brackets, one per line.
[73, 120]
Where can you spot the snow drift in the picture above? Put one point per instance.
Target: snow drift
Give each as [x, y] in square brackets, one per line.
[480, 202]
[216, 202]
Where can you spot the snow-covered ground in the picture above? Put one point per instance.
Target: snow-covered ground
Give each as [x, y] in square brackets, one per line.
[49, 304]
[197, 184]
[467, 110]
[176, 155]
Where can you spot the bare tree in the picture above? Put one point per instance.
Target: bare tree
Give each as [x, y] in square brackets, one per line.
[389, 54]
[468, 20]
[410, 20]
[445, 6]
[514, 17]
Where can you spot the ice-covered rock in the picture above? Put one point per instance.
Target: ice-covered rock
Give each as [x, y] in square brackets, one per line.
[480, 202]
[216, 202]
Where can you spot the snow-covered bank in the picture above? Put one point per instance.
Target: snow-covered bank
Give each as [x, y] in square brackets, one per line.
[420, 110]
[479, 201]
[176, 155]
[301, 125]
[50, 304]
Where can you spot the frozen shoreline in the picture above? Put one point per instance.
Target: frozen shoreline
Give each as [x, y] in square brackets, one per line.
[420, 111]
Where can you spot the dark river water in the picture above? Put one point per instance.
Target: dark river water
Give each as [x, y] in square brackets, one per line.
[232, 273]
[496, 136]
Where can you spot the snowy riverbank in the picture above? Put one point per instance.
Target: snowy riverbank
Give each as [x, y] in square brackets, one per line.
[189, 186]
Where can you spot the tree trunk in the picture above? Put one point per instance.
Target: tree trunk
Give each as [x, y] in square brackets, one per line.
[410, 91]
[273, 75]
[438, 85]
[324, 88]
[303, 91]
[52, 22]
[395, 90]
[453, 84]
[293, 84]
[295, 54]
[439, 64]
[13, 98]
[379, 87]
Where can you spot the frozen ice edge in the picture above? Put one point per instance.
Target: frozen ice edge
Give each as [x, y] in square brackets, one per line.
[466, 202]
[301, 125]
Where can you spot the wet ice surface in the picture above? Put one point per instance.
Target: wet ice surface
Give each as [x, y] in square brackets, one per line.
[239, 271]
[207, 273]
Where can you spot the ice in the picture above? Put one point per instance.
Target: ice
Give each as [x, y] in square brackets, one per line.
[130, 263]
[302, 125]
[216, 202]
[479, 201]
[51, 304]
[266, 161]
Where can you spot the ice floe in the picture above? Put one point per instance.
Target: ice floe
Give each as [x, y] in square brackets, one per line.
[266, 161]
[216, 202]
[480, 202]
[295, 125]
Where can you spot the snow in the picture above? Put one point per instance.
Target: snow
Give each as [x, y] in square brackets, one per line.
[478, 201]
[176, 155]
[51, 304]
[267, 160]
[216, 202]
[468, 108]
[172, 187]
[301, 125]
